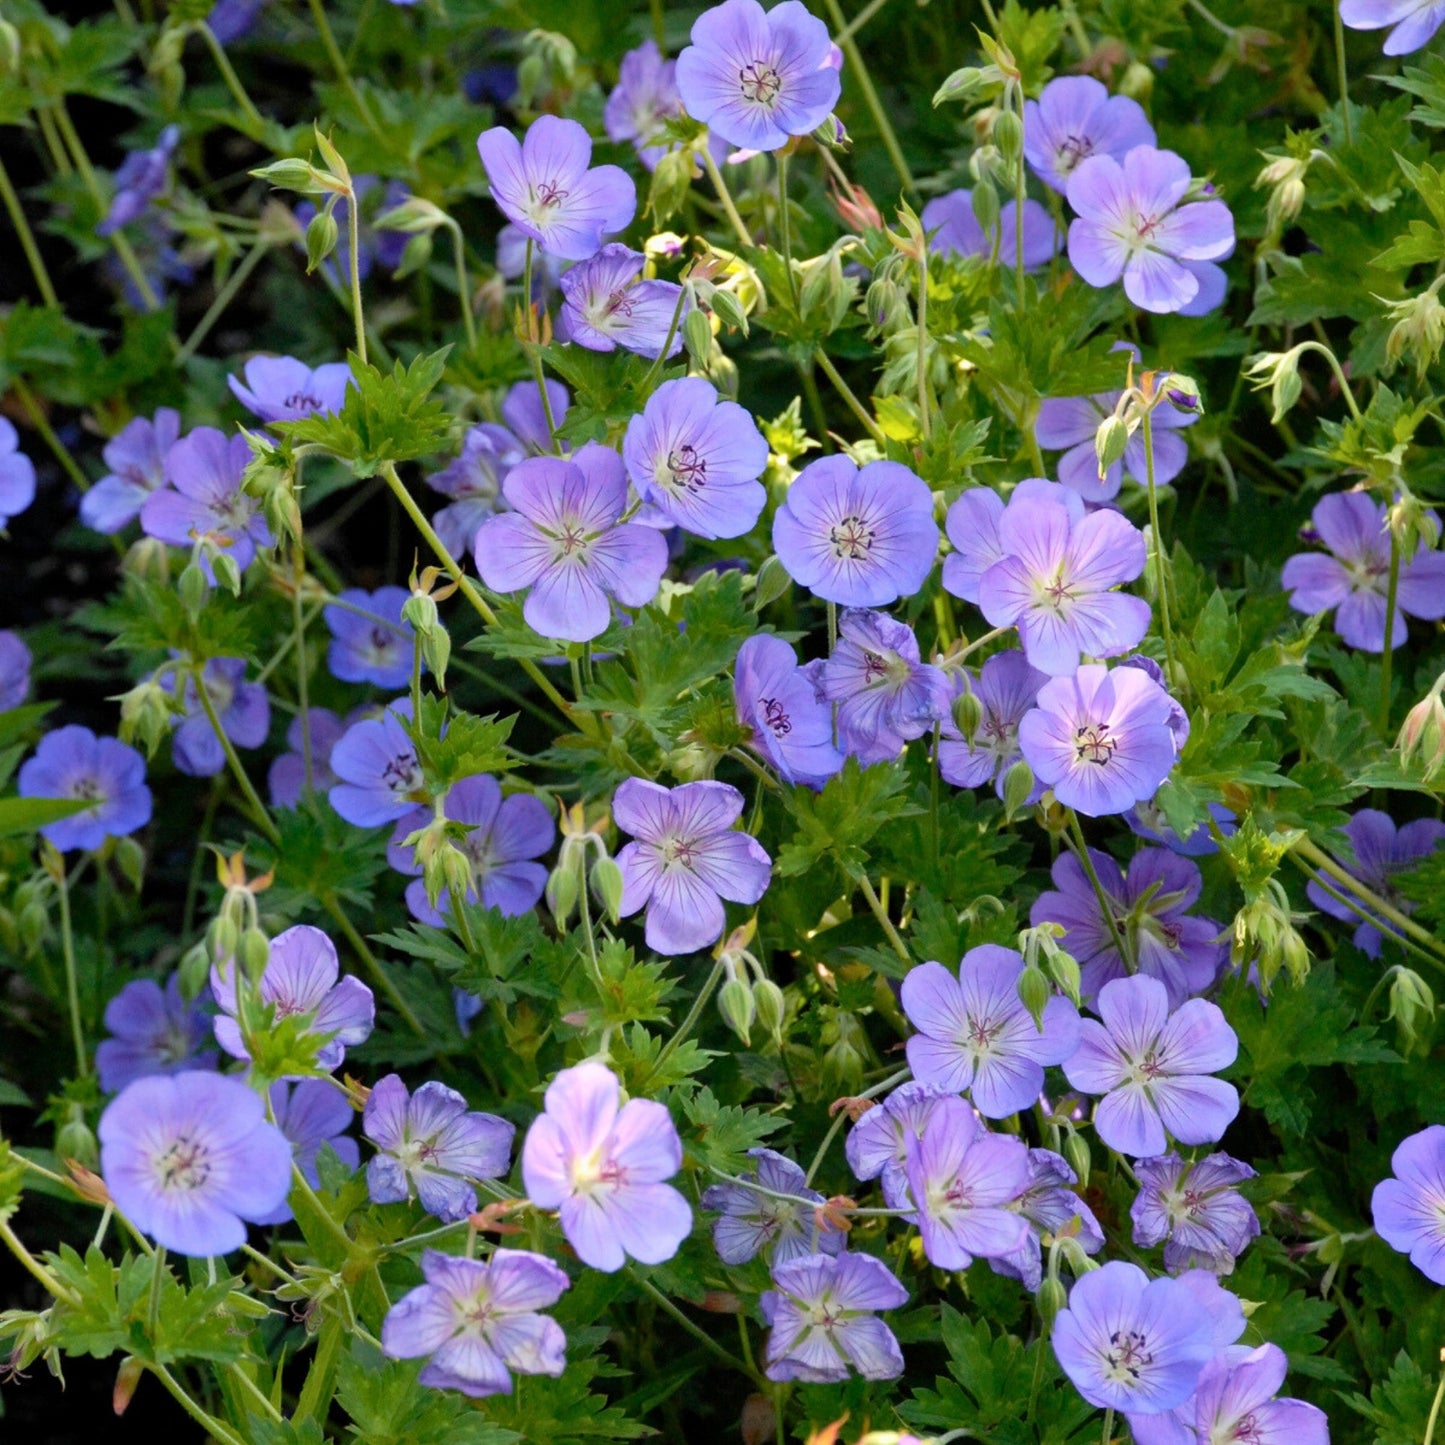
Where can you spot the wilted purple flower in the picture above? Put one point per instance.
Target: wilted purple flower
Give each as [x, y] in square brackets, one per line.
[1131, 223]
[14, 671]
[1150, 905]
[1101, 740]
[311, 1113]
[792, 727]
[524, 417]
[478, 1321]
[286, 779]
[953, 230]
[187, 1157]
[204, 499]
[973, 523]
[975, 1036]
[1147, 820]
[686, 858]
[153, 1031]
[1194, 1211]
[960, 1178]
[607, 305]
[1153, 1068]
[755, 77]
[1006, 688]
[750, 1222]
[17, 474]
[1409, 1207]
[697, 459]
[603, 1167]
[474, 482]
[1075, 118]
[242, 708]
[1069, 424]
[862, 537]
[302, 976]
[544, 186]
[885, 695]
[1130, 1343]
[1055, 582]
[1050, 1206]
[566, 543]
[370, 640]
[136, 456]
[1354, 582]
[1381, 850]
[430, 1145]
[821, 1313]
[72, 762]
[878, 1144]
[280, 388]
[1414, 22]
[381, 779]
[504, 836]
[143, 176]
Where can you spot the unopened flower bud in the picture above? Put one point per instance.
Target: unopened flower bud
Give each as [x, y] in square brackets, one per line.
[222, 937]
[967, 713]
[671, 182]
[145, 715]
[321, 237]
[127, 1377]
[228, 574]
[149, 559]
[1423, 734]
[771, 1005]
[255, 949]
[193, 589]
[1051, 1298]
[773, 581]
[832, 136]
[9, 50]
[1419, 329]
[1008, 136]
[1018, 784]
[1076, 1151]
[1110, 442]
[291, 174]
[1279, 371]
[1063, 968]
[986, 205]
[730, 310]
[1137, 81]
[563, 887]
[759, 1420]
[607, 885]
[697, 337]
[1034, 993]
[966, 84]
[33, 923]
[1412, 1006]
[75, 1139]
[738, 1009]
[887, 305]
[194, 971]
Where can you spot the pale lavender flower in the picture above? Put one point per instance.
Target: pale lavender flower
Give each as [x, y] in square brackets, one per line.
[1153, 1068]
[697, 459]
[370, 640]
[1130, 1343]
[953, 230]
[603, 1165]
[1409, 1207]
[1354, 580]
[286, 779]
[863, 537]
[686, 858]
[72, 762]
[1413, 22]
[143, 177]
[204, 499]
[524, 416]
[1006, 688]
[280, 388]
[136, 456]
[1381, 850]
[1131, 223]
[14, 671]
[607, 305]
[885, 695]
[153, 1031]
[1075, 118]
[878, 1144]
[821, 1312]
[975, 1036]
[478, 1321]
[1056, 581]
[1194, 1210]
[188, 1157]
[961, 1179]
[232, 20]
[547, 187]
[504, 838]
[431, 1146]
[792, 727]
[749, 1222]
[381, 779]
[242, 708]
[1051, 1207]
[17, 474]
[566, 543]
[756, 78]
[1101, 740]
[312, 1114]
[474, 483]
[973, 523]
[1150, 906]
[644, 99]
[302, 977]
[512, 264]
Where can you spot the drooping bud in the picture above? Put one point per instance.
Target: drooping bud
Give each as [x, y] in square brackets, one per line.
[607, 885]
[1034, 993]
[255, 949]
[145, 715]
[127, 1377]
[227, 573]
[75, 1139]
[321, 237]
[1051, 1298]
[130, 858]
[193, 589]
[729, 310]
[738, 1009]
[771, 1005]
[697, 337]
[1110, 442]
[1018, 784]
[773, 581]
[1279, 372]
[1412, 1007]
[1008, 136]
[671, 182]
[222, 937]
[1423, 733]
[967, 713]
[1076, 1151]
[194, 971]
[986, 204]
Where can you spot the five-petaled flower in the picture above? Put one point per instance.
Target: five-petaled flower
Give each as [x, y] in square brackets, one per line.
[750, 1221]
[791, 726]
[606, 304]
[72, 762]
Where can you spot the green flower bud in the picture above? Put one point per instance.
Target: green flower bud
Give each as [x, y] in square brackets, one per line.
[9, 50]
[671, 182]
[1412, 1006]
[966, 84]
[75, 1139]
[321, 238]
[1018, 783]
[194, 590]
[1051, 1298]
[1034, 993]
[415, 256]
[1063, 968]
[986, 205]
[255, 950]
[222, 937]
[1137, 82]
[736, 1005]
[228, 575]
[1076, 1151]
[194, 971]
[729, 310]
[607, 884]
[771, 1005]
[291, 175]
[130, 858]
[33, 924]
[145, 716]
[562, 889]
[773, 581]
[697, 337]
[413, 217]
[1008, 136]
[1110, 441]
[967, 713]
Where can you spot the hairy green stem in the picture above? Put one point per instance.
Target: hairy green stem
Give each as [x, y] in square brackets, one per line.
[339, 65]
[693, 1014]
[725, 196]
[1086, 862]
[182, 1397]
[72, 985]
[260, 815]
[1342, 73]
[1161, 580]
[858, 69]
[1392, 595]
[373, 965]
[699, 1334]
[228, 74]
[223, 298]
[38, 420]
[881, 914]
[849, 399]
[16, 212]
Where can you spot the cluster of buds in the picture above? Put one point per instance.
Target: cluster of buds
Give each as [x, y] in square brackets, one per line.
[1264, 933]
[1046, 967]
[444, 866]
[418, 219]
[747, 995]
[25, 923]
[1135, 403]
[1412, 1009]
[549, 63]
[1419, 329]
[1278, 373]
[1285, 178]
[334, 182]
[1423, 735]
[146, 712]
[235, 932]
[270, 477]
[572, 874]
[420, 610]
